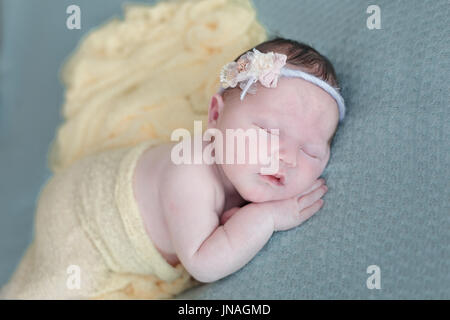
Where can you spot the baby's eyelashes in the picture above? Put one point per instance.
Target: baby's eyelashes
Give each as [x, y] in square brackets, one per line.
[270, 131]
[309, 154]
[275, 132]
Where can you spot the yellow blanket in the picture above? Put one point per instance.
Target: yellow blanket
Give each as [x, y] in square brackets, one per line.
[143, 77]
[90, 240]
[129, 84]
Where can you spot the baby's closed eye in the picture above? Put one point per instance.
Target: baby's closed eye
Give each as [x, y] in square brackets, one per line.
[268, 130]
[309, 153]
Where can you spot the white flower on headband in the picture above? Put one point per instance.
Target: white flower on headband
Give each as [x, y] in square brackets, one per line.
[251, 67]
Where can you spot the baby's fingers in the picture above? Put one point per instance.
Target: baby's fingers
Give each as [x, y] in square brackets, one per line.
[306, 213]
[318, 183]
[307, 200]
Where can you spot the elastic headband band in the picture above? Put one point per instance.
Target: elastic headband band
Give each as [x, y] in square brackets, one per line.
[254, 63]
[320, 83]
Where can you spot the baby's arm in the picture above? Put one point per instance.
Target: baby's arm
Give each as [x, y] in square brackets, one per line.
[210, 251]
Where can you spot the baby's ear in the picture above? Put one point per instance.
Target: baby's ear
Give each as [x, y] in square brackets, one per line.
[215, 108]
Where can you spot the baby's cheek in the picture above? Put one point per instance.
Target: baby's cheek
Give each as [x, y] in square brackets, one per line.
[243, 179]
[255, 192]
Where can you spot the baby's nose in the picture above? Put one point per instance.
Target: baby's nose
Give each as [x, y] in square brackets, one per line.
[289, 158]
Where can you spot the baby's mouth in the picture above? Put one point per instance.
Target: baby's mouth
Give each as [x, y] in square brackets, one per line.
[275, 179]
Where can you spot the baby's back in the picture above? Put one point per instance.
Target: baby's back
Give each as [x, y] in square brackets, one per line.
[149, 171]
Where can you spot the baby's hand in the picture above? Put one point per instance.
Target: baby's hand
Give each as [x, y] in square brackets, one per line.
[292, 212]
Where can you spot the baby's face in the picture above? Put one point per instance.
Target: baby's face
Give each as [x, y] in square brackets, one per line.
[306, 117]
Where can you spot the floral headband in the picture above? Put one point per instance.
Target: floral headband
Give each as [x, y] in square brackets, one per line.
[267, 67]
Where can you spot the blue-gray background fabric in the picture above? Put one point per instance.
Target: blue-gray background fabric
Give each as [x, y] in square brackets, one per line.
[388, 176]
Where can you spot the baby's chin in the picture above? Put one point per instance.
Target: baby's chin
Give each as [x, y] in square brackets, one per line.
[259, 191]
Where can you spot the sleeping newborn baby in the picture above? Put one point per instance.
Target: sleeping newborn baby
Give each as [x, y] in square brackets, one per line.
[133, 222]
[214, 218]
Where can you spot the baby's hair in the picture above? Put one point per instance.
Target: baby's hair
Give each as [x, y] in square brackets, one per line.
[300, 55]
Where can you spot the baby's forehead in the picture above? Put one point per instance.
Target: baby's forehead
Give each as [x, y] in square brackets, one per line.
[287, 99]
[296, 103]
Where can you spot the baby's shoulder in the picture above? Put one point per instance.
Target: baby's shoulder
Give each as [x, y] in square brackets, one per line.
[193, 178]
[193, 184]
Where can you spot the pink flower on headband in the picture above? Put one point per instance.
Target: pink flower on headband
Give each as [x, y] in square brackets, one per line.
[253, 66]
